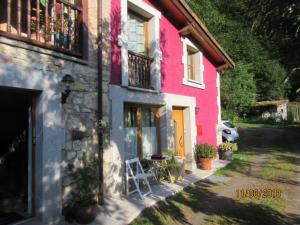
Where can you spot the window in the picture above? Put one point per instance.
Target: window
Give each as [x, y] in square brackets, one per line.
[139, 64]
[55, 24]
[193, 65]
[140, 130]
[191, 58]
[139, 41]
[137, 33]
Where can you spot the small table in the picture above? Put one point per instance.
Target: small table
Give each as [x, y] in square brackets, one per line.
[161, 168]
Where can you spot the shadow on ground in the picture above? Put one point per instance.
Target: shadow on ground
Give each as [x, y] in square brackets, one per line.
[207, 203]
[198, 199]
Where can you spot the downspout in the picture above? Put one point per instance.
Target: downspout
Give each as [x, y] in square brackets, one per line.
[100, 111]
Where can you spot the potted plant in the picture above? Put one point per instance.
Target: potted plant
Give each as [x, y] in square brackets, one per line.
[205, 153]
[226, 149]
[84, 195]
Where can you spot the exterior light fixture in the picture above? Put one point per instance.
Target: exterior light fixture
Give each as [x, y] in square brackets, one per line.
[196, 110]
[67, 81]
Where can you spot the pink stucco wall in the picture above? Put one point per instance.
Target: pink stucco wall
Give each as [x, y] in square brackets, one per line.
[115, 16]
[172, 72]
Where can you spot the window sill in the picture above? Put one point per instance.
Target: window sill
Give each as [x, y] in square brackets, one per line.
[23, 45]
[194, 84]
[141, 89]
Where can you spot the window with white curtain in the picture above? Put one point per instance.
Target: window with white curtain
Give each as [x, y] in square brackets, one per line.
[140, 126]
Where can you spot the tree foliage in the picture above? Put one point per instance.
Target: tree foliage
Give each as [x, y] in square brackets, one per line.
[238, 90]
[259, 72]
[277, 22]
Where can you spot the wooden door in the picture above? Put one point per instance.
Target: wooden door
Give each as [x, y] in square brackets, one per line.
[178, 131]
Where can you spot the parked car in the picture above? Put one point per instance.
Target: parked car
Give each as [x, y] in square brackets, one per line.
[229, 131]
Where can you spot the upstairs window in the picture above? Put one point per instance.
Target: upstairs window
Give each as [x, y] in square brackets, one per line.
[140, 45]
[56, 24]
[137, 33]
[193, 65]
[139, 62]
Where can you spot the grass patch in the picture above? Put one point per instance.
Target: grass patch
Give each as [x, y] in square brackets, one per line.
[278, 165]
[266, 123]
[252, 211]
[240, 163]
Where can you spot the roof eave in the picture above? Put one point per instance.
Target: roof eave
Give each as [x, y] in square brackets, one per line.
[198, 30]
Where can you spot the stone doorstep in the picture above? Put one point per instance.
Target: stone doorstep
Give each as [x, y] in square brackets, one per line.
[119, 211]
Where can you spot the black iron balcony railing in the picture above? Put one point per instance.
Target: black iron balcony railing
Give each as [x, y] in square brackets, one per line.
[139, 70]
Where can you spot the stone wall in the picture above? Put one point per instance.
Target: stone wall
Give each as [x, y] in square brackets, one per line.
[30, 67]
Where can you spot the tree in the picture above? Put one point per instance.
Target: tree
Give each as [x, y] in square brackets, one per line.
[277, 22]
[238, 90]
[260, 70]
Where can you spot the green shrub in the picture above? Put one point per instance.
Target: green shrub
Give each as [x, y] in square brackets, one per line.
[205, 151]
[294, 112]
[85, 176]
[227, 146]
[146, 163]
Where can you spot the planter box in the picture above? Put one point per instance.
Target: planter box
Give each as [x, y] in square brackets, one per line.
[225, 155]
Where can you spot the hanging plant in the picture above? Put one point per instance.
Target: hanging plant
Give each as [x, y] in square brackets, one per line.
[104, 130]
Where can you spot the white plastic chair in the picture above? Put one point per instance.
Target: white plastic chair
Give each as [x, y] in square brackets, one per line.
[134, 171]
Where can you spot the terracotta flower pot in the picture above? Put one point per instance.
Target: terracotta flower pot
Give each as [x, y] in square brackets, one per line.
[205, 163]
[84, 214]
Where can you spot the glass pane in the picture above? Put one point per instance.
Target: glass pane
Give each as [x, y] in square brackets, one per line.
[130, 116]
[190, 67]
[130, 142]
[228, 124]
[149, 140]
[136, 34]
[148, 117]
[149, 137]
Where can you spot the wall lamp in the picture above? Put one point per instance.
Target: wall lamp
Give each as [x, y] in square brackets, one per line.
[67, 81]
[196, 110]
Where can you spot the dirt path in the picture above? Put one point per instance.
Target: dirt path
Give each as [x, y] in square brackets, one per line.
[272, 163]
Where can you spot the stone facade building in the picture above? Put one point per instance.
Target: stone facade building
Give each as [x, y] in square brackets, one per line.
[55, 82]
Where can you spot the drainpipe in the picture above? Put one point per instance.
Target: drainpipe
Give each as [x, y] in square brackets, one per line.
[100, 111]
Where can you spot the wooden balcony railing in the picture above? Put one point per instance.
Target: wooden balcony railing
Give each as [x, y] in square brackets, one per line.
[139, 70]
[55, 24]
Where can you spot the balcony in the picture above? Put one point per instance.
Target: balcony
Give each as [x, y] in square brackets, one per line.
[52, 24]
[139, 70]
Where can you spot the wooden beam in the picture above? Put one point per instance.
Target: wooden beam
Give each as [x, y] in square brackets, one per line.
[185, 30]
[158, 131]
[62, 18]
[37, 30]
[8, 16]
[85, 34]
[140, 133]
[215, 51]
[222, 67]
[47, 27]
[19, 17]
[39, 44]
[28, 18]
[69, 27]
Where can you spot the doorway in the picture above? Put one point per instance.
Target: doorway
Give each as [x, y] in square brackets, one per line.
[178, 131]
[16, 154]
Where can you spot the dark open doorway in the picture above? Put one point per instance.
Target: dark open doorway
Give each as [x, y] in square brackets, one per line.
[16, 154]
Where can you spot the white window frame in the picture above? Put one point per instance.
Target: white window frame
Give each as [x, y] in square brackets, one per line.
[155, 53]
[199, 56]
